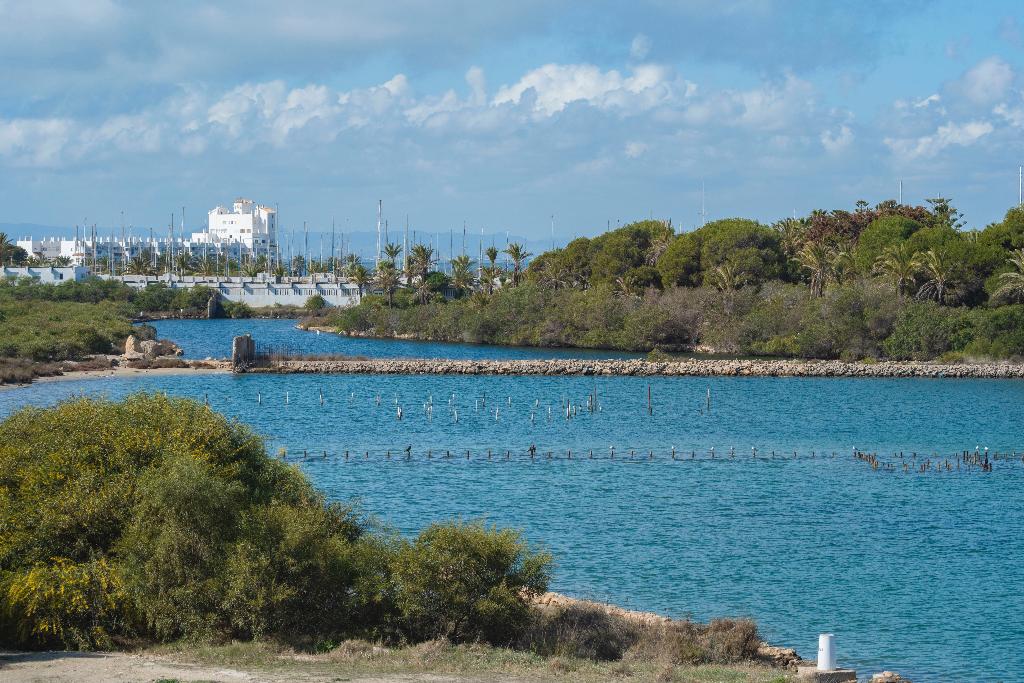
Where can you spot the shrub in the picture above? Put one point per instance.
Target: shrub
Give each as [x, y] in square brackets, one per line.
[582, 631]
[172, 522]
[315, 303]
[723, 641]
[465, 582]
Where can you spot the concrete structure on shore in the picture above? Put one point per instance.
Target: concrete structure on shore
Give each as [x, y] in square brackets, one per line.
[51, 275]
[686, 367]
[260, 291]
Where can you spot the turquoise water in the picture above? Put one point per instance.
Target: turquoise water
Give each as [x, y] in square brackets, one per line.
[212, 339]
[914, 572]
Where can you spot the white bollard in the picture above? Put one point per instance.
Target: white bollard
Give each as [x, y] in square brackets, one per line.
[826, 652]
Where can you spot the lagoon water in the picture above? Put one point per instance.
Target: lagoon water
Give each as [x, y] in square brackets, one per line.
[920, 573]
[212, 339]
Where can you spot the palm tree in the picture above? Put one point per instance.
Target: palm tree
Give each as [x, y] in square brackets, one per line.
[251, 268]
[935, 267]
[359, 276]
[842, 262]
[816, 259]
[462, 273]
[490, 272]
[60, 262]
[391, 252]
[6, 246]
[898, 264]
[1011, 283]
[422, 258]
[206, 265]
[140, 264]
[658, 247]
[726, 278]
[387, 278]
[183, 262]
[518, 254]
[792, 234]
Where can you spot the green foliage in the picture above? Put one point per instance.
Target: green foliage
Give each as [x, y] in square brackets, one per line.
[236, 309]
[924, 330]
[748, 246]
[466, 582]
[879, 234]
[172, 522]
[315, 303]
[680, 264]
[54, 330]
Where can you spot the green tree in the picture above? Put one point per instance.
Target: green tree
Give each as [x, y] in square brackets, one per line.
[462, 273]
[816, 259]
[898, 264]
[935, 267]
[747, 245]
[880, 234]
[679, 265]
[1011, 283]
[518, 254]
[387, 279]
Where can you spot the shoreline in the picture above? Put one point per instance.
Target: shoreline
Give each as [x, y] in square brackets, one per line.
[120, 372]
[647, 368]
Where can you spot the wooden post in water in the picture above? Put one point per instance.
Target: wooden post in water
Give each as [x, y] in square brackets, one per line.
[650, 406]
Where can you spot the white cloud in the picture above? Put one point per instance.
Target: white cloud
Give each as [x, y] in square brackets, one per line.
[34, 142]
[1013, 115]
[477, 85]
[946, 135]
[928, 101]
[552, 87]
[640, 47]
[838, 141]
[635, 150]
[772, 106]
[986, 82]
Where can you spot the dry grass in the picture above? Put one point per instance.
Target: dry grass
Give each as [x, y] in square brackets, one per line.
[355, 658]
[23, 371]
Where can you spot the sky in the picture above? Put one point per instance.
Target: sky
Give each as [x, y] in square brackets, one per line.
[502, 115]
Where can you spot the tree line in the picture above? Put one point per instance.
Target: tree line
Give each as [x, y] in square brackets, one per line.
[891, 267]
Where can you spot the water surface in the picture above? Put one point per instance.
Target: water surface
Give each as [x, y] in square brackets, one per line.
[914, 572]
[212, 339]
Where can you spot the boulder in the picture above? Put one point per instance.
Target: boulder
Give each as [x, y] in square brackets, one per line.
[154, 348]
[888, 677]
[132, 345]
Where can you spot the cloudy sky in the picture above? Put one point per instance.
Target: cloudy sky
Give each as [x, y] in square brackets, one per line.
[501, 114]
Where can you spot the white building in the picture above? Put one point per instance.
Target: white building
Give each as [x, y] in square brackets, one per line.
[253, 225]
[46, 274]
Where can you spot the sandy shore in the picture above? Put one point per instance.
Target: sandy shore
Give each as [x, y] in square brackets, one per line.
[121, 372]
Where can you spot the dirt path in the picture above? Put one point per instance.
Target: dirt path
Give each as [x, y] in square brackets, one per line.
[95, 667]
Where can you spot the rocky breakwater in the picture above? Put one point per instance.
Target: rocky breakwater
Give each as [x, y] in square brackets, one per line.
[646, 368]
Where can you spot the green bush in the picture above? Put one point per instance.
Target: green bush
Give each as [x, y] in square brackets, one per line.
[172, 522]
[315, 303]
[466, 582]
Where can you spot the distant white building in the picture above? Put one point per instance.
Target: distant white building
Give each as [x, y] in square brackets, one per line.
[247, 230]
[251, 224]
[46, 274]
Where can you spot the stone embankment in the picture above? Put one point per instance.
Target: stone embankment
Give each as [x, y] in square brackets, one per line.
[646, 368]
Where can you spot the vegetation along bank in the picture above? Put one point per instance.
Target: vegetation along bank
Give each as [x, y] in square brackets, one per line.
[173, 525]
[890, 281]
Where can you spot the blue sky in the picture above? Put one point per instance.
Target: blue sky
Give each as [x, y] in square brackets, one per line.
[502, 114]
